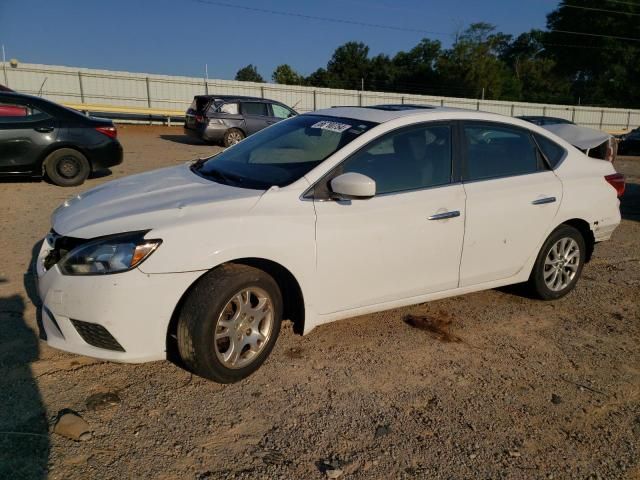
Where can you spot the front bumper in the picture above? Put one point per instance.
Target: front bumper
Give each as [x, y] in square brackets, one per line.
[133, 307]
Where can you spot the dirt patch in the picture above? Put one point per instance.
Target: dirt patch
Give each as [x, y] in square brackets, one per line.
[549, 389]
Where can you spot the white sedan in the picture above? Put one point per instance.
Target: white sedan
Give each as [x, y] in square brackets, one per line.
[324, 216]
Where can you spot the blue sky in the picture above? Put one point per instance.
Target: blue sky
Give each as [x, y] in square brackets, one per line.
[180, 36]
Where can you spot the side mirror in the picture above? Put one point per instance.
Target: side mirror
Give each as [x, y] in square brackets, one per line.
[354, 186]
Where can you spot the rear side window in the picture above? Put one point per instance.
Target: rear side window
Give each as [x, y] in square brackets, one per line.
[498, 151]
[17, 112]
[254, 108]
[550, 149]
[230, 108]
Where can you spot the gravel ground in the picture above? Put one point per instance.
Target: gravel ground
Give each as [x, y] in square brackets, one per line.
[517, 389]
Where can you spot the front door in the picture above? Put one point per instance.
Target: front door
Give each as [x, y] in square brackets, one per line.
[404, 242]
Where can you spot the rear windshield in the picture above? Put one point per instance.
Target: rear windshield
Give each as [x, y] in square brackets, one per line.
[281, 154]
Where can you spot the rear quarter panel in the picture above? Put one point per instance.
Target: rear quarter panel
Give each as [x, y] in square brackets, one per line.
[587, 195]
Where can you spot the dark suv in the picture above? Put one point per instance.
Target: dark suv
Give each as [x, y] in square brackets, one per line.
[229, 119]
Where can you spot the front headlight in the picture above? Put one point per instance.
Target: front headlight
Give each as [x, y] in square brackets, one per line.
[111, 254]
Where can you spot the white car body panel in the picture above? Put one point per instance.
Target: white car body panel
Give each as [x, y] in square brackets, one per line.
[503, 227]
[349, 258]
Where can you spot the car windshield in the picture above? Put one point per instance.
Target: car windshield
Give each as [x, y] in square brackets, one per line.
[282, 153]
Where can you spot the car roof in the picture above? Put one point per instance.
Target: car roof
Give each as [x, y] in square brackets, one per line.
[385, 113]
[234, 97]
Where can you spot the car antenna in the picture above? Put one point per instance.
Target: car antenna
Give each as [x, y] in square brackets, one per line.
[42, 86]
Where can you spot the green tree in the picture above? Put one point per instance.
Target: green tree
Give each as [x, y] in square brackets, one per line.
[472, 65]
[603, 70]
[286, 75]
[348, 66]
[415, 71]
[249, 74]
[319, 78]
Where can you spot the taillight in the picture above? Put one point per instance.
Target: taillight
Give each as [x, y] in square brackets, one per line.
[199, 118]
[616, 180]
[111, 132]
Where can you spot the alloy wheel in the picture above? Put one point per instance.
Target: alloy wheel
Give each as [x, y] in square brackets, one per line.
[244, 327]
[561, 264]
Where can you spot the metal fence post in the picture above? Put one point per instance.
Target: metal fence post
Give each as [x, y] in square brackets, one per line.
[478, 105]
[4, 69]
[573, 114]
[442, 102]
[601, 117]
[148, 92]
[512, 109]
[314, 100]
[262, 92]
[360, 99]
[544, 111]
[628, 119]
[81, 87]
[206, 89]
[402, 100]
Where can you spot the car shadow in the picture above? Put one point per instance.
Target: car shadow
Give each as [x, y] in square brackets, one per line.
[24, 432]
[630, 202]
[184, 139]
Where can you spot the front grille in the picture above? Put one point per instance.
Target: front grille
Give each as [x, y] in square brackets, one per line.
[96, 335]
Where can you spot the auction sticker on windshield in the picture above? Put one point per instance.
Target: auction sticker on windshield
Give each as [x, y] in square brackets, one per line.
[331, 126]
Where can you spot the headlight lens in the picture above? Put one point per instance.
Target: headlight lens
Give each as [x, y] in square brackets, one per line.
[112, 254]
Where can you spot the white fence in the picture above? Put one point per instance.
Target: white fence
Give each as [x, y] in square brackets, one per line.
[73, 85]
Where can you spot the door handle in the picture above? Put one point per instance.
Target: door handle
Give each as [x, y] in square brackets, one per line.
[44, 129]
[444, 215]
[542, 201]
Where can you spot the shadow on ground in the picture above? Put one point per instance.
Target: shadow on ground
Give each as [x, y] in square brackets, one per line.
[183, 139]
[24, 437]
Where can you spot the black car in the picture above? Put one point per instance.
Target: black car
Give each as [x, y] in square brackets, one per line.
[630, 143]
[39, 137]
[542, 120]
[229, 119]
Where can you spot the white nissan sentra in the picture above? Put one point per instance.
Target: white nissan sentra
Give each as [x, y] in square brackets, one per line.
[324, 216]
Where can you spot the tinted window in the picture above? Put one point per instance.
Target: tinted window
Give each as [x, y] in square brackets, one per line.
[408, 159]
[551, 149]
[495, 151]
[254, 108]
[20, 112]
[281, 154]
[281, 112]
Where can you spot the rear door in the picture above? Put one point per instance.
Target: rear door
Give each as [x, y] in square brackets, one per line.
[512, 199]
[256, 116]
[25, 131]
[195, 113]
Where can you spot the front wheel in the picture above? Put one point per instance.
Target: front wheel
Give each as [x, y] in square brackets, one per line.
[559, 264]
[229, 323]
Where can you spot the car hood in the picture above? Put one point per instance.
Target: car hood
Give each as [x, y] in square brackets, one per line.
[581, 137]
[160, 198]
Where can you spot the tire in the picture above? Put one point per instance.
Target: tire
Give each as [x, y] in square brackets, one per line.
[233, 136]
[558, 266]
[67, 167]
[224, 303]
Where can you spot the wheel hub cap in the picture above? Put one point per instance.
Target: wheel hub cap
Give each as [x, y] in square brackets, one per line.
[244, 327]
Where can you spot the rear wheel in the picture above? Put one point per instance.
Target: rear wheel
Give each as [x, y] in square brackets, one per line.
[67, 167]
[559, 264]
[229, 323]
[233, 136]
